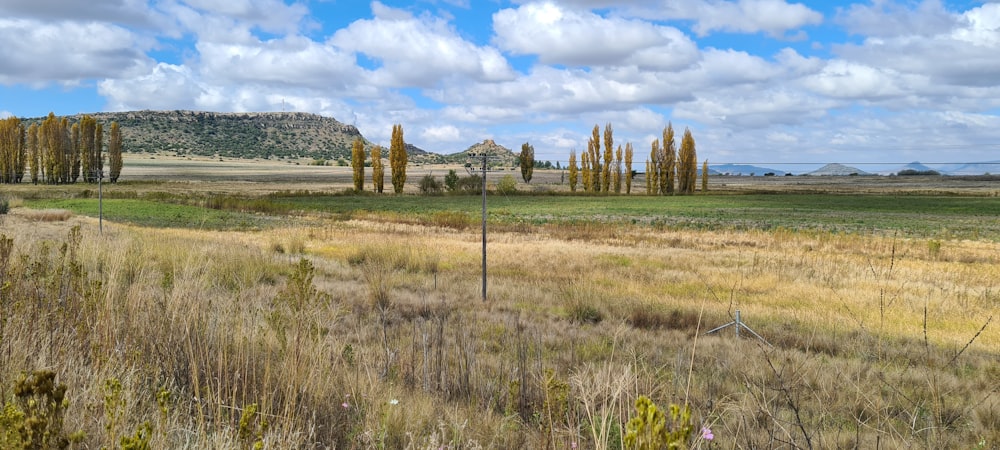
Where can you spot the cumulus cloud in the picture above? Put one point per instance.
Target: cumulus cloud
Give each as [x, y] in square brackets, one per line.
[441, 134]
[773, 17]
[289, 61]
[957, 52]
[419, 51]
[36, 52]
[582, 38]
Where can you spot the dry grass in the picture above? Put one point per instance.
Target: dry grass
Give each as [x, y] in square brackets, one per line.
[45, 215]
[871, 335]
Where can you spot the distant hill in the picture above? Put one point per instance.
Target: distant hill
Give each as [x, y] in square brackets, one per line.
[835, 169]
[743, 169]
[265, 135]
[502, 156]
[981, 168]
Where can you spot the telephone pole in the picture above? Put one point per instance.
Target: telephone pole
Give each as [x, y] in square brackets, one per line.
[484, 168]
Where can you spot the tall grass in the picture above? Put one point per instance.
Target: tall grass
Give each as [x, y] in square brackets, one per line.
[372, 335]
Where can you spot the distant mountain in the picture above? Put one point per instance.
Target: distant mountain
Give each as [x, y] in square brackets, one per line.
[500, 155]
[835, 169]
[743, 169]
[991, 167]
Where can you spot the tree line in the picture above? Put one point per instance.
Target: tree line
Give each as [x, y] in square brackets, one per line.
[55, 151]
[668, 170]
[398, 158]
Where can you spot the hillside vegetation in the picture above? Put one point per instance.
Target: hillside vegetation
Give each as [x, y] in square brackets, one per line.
[235, 135]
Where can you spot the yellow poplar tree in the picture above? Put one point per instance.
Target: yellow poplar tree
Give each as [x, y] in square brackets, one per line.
[398, 159]
[595, 159]
[618, 170]
[585, 168]
[628, 167]
[688, 163]
[669, 161]
[649, 178]
[32, 147]
[114, 152]
[358, 163]
[378, 169]
[609, 142]
[10, 147]
[653, 173]
[704, 176]
[572, 171]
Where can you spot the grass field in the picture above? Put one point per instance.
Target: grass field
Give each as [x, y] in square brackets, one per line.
[216, 313]
[912, 215]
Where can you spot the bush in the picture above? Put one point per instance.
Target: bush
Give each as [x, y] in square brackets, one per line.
[507, 185]
[451, 180]
[4, 206]
[430, 185]
[472, 184]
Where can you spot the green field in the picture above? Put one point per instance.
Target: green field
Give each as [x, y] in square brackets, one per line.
[909, 215]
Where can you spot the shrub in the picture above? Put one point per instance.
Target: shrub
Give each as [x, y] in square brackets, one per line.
[507, 185]
[472, 184]
[4, 206]
[451, 180]
[430, 185]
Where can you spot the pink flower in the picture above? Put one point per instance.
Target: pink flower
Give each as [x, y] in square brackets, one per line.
[572, 445]
[706, 434]
[345, 405]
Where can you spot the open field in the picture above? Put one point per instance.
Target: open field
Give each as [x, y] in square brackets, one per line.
[219, 312]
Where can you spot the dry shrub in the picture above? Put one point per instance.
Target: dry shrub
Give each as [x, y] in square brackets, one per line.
[47, 215]
[452, 219]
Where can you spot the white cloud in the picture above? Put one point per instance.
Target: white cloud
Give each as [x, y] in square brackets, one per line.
[577, 38]
[441, 133]
[889, 18]
[290, 61]
[269, 15]
[167, 86]
[36, 52]
[419, 51]
[963, 55]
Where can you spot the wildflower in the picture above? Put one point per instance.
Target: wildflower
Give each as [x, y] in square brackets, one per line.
[573, 445]
[393, 402]
[706, 434]
[345, 405]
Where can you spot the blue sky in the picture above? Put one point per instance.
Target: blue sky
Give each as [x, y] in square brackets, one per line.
[755, 80]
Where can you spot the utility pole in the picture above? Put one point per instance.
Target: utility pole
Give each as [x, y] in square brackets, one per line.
[485, 168]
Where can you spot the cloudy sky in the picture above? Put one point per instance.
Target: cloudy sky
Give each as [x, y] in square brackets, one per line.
[757, 81]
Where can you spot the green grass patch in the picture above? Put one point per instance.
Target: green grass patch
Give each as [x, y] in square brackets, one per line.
[912, 215]
[939, 217]
[156, 214]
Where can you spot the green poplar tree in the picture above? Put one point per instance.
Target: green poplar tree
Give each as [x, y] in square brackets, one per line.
[527, 161]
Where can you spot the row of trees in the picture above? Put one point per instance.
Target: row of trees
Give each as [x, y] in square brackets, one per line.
[668, 171]
[595, 176]
[398, 159]
[56, 152]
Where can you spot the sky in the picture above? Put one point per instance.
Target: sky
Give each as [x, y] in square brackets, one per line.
[768, 82]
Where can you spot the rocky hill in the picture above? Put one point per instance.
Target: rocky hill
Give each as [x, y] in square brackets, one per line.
[500, 156]
[835, 169]
[238, 135]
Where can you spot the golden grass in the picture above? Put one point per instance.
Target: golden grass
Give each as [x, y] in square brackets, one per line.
[869, 334]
